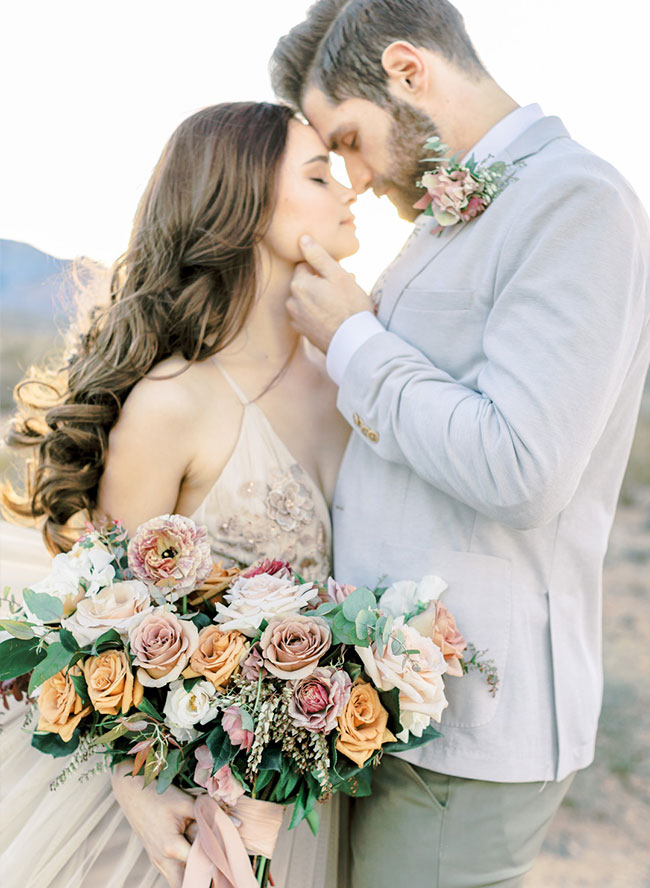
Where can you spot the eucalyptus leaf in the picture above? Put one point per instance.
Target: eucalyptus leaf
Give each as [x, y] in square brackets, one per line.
[17, 628]
[361, 599]
[56, 658]
[44, 607]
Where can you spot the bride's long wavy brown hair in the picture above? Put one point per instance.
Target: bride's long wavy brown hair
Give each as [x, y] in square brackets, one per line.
[185, 285]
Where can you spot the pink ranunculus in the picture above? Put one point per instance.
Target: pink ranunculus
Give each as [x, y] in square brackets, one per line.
[253, 665]
[222, 786]
[162, 645]
[232, 725]
[319, 699]
[338, 592]
[281, 569]
[171, 554]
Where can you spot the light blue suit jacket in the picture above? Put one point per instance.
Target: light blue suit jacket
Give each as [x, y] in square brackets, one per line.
[494, 422]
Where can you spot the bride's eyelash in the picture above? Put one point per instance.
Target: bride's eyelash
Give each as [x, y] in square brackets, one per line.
[322, 181]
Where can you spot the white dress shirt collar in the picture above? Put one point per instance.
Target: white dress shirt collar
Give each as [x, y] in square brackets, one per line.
[505, 132]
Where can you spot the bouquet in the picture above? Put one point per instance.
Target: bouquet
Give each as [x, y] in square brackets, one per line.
[251, 689]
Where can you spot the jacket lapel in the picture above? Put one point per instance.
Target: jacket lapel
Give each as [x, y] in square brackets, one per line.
[422, 248]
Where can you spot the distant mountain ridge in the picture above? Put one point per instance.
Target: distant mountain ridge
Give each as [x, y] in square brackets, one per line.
[36, 289]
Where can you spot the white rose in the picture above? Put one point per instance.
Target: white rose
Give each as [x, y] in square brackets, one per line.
[119, 606]
[415, 722]
[417, 676]
[404, 596]
[184, 709]
[262, 597]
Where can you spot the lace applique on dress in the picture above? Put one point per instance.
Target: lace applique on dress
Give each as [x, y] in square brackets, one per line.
[264, 504]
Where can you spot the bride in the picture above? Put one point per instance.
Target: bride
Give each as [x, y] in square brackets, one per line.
[190, 393]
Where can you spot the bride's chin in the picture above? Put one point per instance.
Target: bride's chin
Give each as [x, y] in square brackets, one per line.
[344, 251]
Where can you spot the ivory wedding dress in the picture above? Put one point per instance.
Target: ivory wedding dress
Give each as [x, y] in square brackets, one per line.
[263, 505]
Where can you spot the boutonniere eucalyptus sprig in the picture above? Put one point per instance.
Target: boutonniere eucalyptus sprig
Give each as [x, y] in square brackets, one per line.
[458, 192]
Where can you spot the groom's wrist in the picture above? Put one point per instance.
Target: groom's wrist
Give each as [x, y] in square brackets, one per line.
[349, 337]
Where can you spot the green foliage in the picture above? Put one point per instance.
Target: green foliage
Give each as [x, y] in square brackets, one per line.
[361, 599]
[68, 640]
[170, 769]
[108, 641]
[149, 709]
[413, 742]
[81, 688]
[18, 657]
[272, 759]
[18, 628]
[221, 749]
[44, 607]
[201, 620]
[52, 744]
[56, 658]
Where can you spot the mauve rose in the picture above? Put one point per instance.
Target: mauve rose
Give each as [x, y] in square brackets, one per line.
[319, 699]
[171, 554]
[338, 592]
[162, 645]
[253, 664]
[223, 785]
[475, 206]
[292, 646]
[232, 725]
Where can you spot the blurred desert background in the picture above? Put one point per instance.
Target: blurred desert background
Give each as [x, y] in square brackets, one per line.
[600, 835]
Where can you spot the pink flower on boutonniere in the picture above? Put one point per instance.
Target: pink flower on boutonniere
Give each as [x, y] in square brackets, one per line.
[459, 192]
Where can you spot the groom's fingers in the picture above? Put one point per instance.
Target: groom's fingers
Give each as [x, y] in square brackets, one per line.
[319, 259]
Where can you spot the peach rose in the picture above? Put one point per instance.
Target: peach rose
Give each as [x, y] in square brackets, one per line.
[292, 646]
[217, 656]
[162, 645]
[111, 685]
[362, 724]
[60, 705]
[118, 606]
[418, 676]
[438, 624]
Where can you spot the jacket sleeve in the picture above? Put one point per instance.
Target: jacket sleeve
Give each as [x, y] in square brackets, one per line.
[568, 314]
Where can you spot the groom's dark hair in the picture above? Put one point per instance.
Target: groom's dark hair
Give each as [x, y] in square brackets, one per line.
[339, 46]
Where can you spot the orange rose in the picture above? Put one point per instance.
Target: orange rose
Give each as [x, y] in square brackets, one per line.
[111, 685]
[217, 656]
[60, 705]
[362, 724]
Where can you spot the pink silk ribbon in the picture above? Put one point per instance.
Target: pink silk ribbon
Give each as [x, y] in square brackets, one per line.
[219, 854]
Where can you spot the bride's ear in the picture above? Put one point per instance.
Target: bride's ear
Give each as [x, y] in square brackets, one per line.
[406, 67]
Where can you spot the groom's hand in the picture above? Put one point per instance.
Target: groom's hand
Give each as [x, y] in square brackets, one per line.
[323, 295]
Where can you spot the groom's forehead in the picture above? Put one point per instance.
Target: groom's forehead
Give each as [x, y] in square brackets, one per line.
[331, 120]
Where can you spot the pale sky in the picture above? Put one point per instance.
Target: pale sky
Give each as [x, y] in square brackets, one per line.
[92, 91]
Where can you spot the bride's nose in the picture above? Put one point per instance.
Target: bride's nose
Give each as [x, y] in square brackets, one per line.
[349, 195]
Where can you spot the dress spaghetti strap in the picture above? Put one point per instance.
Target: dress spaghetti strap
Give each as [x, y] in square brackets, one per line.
[231, 382]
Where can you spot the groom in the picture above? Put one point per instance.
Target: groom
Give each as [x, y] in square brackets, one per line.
[492, 398]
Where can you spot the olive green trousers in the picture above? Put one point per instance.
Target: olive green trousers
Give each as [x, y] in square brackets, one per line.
[421, 829]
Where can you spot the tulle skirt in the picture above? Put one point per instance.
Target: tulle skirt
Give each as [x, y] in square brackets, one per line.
[76, 836]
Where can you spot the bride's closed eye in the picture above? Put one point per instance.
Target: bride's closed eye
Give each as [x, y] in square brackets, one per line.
[319, 180]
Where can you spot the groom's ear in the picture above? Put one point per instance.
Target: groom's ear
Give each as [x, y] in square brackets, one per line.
[407, 70]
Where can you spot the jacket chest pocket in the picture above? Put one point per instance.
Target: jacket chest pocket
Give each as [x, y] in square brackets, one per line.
[445, 325]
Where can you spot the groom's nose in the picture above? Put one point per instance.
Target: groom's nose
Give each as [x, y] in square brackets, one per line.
[359, 173]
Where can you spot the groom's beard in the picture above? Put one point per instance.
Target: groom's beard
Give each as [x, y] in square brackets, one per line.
[409, 131]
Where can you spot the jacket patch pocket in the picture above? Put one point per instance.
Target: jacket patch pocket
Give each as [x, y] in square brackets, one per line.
[425, 299]
[480, 598]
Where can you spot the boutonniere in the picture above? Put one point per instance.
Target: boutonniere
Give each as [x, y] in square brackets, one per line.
[458, 192]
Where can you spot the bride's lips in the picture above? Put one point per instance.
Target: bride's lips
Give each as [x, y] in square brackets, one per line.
[350, 221]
